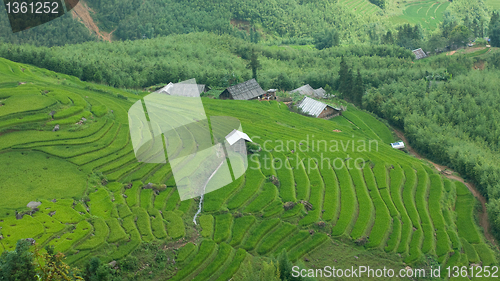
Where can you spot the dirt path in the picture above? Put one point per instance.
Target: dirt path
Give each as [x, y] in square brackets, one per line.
[81, 11]
[483, 215]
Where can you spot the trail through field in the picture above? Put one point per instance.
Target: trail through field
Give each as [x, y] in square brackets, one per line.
[483, 215]
[81, 11]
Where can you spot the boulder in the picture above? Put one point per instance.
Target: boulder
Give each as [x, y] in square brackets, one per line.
[34, 204]
[56, 128]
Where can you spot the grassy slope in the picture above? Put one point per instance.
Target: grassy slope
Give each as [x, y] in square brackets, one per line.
[112, 154]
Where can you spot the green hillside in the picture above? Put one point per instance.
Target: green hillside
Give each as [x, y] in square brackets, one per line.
[395, 207]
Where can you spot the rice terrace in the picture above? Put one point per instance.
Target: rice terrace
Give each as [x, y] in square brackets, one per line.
[394, 204]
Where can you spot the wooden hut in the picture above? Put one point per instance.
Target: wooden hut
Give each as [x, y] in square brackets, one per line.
[248, 90]
[318, 109]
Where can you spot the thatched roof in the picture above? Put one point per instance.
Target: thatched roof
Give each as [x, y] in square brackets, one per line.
[246, 90]
[419, 53]
[304, 90]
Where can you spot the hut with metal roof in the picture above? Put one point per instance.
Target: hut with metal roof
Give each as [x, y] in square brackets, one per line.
[419, 53]
[318, 109]
[307, 90]
[248, 90]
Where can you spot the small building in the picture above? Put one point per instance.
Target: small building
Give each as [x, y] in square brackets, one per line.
[419, 53]
[318, 109]
[249, 90]
[307, 90]
[398, 145]
[181, 89]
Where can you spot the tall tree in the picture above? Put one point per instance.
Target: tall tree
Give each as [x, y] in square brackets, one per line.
[254, 63]
[494, 29]
[18, 264]
[358, 89]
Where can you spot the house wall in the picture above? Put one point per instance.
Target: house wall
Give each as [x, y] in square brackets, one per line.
[225, 95]
[328, 113]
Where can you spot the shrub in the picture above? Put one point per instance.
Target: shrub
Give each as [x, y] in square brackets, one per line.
[222, 227]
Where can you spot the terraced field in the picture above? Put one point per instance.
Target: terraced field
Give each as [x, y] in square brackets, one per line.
[394, 203]
[427, 13]
[363, 7]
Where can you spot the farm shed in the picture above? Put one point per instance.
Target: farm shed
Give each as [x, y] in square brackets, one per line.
[398, 145]
[419, 53]
[180, 90]
[248, 90]
[307, 90]
[318, 109]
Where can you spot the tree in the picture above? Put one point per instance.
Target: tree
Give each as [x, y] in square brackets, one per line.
[51, 266]
[326, 39]
[358, 90]
[494, 29]
[18, 264]
[254, 64]
[459, 36]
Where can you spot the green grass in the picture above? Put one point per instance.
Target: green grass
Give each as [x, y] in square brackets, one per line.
[143, 224]
[366, 212]
[222, 256]
[206, 249]
[465, 220]
[101, 233]
[157, 224]
[116, 232]
[268, 194]
[427, 13]
[421, 201]
[240, 228]
[175, 226]
[331, 203]
[100, 204]
[301, 179]
[207, 226]
[233, 266]
[261, 229]
[287, 183]
[36, 176]
[274, 238]
[254, 180]
[133, 194]
[222, 227]
[348, 202]
[307, 246]
[382, 223]
[185, 252]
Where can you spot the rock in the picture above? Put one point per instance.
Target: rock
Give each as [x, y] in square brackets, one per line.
[1, 237]
[311, 232]
[320, 224]
[33, 204]
[112, 264]
[148, 186]
[84, 119]
[289, 205]
[125, 196]
[54, 200]
[52, 113]
[306, 259]
[112, 111]
[19, 216]
[56, 128]
[31, 240]
[52, 213]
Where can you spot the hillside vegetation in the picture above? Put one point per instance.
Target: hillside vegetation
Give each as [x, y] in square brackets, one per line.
[412, 211]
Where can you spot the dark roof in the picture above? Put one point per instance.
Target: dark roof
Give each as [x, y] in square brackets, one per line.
[419, 53]
[246, 90]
